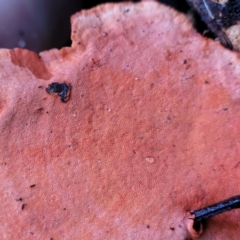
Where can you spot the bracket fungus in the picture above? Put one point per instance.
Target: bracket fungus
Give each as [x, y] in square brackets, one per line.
[144, 85]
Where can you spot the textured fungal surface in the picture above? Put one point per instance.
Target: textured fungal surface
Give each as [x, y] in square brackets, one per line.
[151, 131]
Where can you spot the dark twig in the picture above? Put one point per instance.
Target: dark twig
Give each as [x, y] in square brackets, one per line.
[219, 17]
[215, 209]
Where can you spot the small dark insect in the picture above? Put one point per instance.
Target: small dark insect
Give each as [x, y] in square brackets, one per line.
[23, 206]
[213, 210]
[222, 17]
[61, 89]
[33, 185]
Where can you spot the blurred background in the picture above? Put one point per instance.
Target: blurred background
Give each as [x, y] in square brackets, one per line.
[44, 24]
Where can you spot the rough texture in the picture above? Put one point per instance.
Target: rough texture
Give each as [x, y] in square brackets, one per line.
[151, 130]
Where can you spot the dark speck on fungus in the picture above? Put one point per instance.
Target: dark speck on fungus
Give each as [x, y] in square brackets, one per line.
[23, 206]
[61, 89]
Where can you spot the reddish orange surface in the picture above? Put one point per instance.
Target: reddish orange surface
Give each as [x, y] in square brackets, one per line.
[150, 132]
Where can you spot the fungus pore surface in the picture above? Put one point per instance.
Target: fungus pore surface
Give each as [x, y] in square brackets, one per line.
[150, 130]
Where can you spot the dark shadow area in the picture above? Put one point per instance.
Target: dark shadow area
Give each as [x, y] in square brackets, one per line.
[42, 25]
